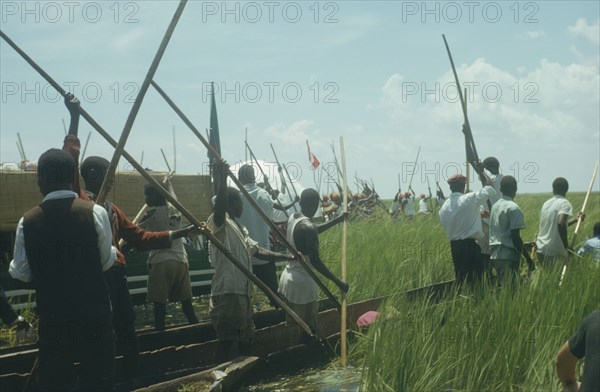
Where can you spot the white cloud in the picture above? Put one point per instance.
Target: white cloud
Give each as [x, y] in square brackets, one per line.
[538, 113]
[127, 40]
[589, 31]
[536, 34]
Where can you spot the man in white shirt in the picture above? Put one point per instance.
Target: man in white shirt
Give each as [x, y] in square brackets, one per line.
[506, 222]
[492, 167]
[257, 228]
[231, 290]
[409, 205]
[423, 208]
[552, 242]
[462, 223]
[295, 284]
[168, 269]
[63, 246]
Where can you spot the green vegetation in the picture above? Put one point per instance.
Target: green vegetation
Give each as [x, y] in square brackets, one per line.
[483, 340]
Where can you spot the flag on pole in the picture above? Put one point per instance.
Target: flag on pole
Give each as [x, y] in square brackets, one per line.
[312, 158]
[213, 135]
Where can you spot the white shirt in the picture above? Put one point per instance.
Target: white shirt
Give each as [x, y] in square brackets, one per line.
[228, 279]
[19, 267]
[423, 206]
[505, 217]
[460, 214]
[495, 178]
[257, 228]
[295, 284]
[548, 240]
[409, 208]
[159, 218]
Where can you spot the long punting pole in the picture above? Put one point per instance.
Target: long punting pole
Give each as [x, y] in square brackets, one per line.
[267, 185]
[579, 220]
[87, 140]
[64, 126]
[110, 173]
[166, 161]
[414, 169]
[286, 172]
[185, 212]
[344, 247]
[468, 172]
[252, 202]
[21, 146]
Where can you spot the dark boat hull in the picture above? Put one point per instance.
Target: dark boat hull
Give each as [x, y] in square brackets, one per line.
[193, 347]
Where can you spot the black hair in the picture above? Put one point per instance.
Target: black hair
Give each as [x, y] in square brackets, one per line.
[93, 169]
[56, 167]
[246, 174]
[233, 195]
[560, 186]
[508, 184]
[597, 229]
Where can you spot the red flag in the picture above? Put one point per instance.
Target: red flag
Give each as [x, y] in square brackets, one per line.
[312, 158]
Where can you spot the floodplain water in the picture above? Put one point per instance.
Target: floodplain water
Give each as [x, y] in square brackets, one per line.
[330, 378]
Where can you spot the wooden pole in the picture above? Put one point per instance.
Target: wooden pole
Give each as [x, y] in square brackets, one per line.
[184, 211]
[64, 126]
[87, 140]
[468, 172]
[579, 220]
[414, 170]
[267, 185]
[21, 145]
[252, 202]
[165, 158]
[343, 321]
[286, 172]
[110, 172]
[174, 151]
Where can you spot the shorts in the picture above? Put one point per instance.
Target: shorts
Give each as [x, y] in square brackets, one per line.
[169, 280]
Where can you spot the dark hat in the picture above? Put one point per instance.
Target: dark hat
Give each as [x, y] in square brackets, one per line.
[457, 178]
[491, 161]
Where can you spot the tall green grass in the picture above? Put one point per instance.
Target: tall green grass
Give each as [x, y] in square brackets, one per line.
[485, 340]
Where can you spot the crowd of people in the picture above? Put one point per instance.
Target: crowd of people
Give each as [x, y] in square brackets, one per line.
[70, 244]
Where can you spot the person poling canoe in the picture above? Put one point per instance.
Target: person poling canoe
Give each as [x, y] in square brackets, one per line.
[231, 291]
[296, 286]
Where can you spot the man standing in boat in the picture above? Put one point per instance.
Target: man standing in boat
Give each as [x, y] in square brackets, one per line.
[63, 246]
[168, 269]
[231, 291]
[462, 223]
[296, 285]
[552, 241]
[505, 223]
[93, 171]
[257, 228]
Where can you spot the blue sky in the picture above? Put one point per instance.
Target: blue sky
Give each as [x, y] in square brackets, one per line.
[360, 67]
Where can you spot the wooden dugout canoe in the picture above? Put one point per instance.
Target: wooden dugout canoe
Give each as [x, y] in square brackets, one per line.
[182, 350]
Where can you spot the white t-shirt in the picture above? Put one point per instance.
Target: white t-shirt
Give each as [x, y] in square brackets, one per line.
[460, 214]
[228, 279]
[423, 206]
[548, 240]
[295, 284]
[257, 228]
[409, 208]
